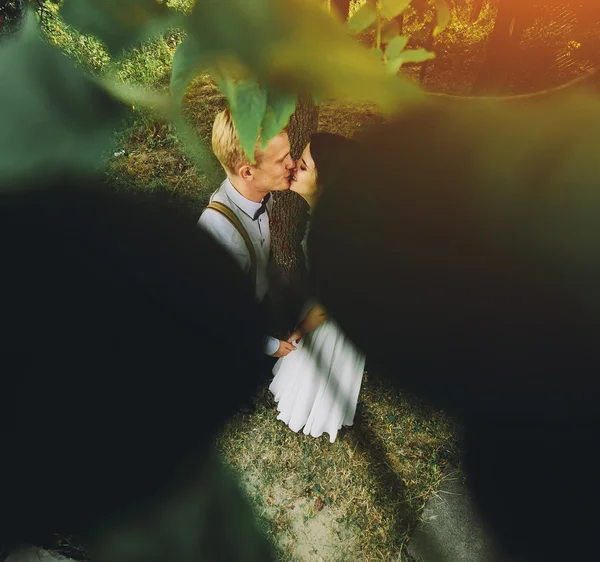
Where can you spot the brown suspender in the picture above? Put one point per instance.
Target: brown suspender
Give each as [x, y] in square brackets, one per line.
[230, 216]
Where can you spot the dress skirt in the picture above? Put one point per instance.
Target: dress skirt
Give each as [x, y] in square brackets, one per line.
[316, 386]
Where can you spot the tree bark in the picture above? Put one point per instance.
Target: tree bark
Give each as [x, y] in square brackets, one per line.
[400, 20]
[288, 220]
[341, 8]
[476, 10]
[429, 47]
[502, 47]
[420, 8]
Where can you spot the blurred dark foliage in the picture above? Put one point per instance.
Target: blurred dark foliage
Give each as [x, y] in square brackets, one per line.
[459, 248]
[11, 12]
[465, 264]
[128, 337]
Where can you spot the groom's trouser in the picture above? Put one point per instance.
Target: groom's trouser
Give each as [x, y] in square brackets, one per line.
[281, 308]
[275, 329]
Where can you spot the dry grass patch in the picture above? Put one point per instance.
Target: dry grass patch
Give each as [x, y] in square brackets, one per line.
[202, 102]
[347, 118]
[356, 499]
[154, 159]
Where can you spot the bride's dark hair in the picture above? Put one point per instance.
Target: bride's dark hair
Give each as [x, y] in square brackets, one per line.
[329, 151]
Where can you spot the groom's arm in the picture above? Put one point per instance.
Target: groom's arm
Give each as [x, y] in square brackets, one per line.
[282, 348]
[271, 345]
[225, 234]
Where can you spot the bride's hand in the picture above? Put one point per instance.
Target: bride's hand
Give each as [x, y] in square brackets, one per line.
[295, 336]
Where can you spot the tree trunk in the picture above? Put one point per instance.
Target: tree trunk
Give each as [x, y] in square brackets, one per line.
[288, 220]
[428, 46]
[420, 7]
[400, 20]
[341, 8]
[476, 10]
[502, 48]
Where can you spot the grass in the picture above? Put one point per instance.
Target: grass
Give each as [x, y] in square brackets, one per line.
[360, 497]
[356, 499]
[153, 158]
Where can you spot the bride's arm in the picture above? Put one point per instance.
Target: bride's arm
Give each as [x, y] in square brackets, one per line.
[313, 319]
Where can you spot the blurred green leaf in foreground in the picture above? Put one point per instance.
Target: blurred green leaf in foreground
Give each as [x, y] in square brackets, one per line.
[56, 118]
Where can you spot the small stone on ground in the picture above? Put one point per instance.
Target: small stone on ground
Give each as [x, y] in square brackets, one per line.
[451, 530]
[34, 554]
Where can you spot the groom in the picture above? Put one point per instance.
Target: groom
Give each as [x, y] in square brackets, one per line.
[238, 213]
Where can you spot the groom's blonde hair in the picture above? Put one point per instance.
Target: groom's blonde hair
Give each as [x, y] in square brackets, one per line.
[226, 144]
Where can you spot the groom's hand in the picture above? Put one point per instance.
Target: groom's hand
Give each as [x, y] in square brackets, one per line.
[284, 348]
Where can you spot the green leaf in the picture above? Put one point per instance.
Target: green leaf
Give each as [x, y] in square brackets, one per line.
[416, 55]
[238, 28]
[377, 54]
[198, 151]
[396, 46]
[248, 102]
[187, 61]
[443, 16]
[57, 119]
[307, 52]
[224, 81]
[136, 95]
[393, 66]
[392, 8]
[390, 30]
[363, 18]
[119, 23]
[280, 106]
[409, 55]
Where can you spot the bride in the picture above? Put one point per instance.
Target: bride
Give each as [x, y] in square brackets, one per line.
[316, 387]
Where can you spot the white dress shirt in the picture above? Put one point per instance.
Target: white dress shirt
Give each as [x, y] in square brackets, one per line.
[228, 236]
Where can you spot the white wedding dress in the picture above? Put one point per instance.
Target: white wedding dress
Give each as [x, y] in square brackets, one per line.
[316, 386]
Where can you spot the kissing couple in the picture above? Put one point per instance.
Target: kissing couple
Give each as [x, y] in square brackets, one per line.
[317, 370]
